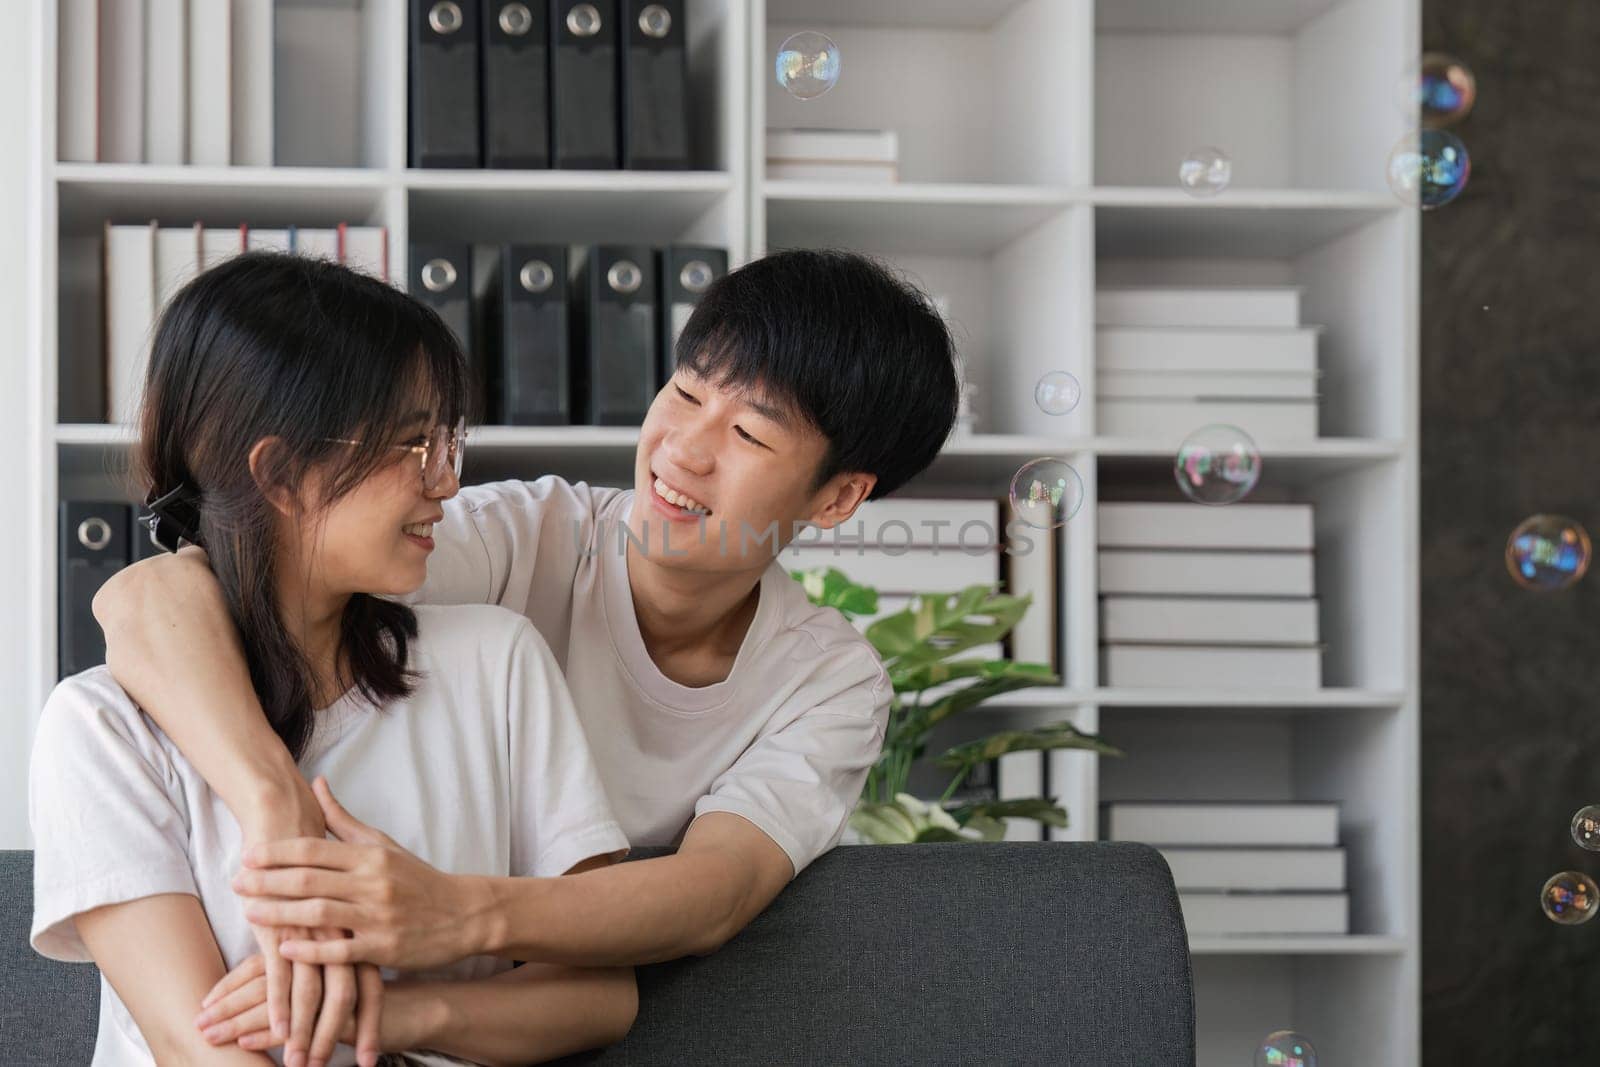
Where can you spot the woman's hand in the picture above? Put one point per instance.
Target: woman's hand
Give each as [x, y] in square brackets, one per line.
[235, 1011]
[400, 911]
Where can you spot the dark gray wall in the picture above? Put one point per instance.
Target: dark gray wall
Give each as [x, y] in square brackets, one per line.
[1510, 426]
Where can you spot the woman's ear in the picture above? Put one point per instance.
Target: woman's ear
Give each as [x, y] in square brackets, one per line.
[266, 468]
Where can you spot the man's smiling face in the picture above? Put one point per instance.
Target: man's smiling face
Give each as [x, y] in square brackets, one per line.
[726, 460]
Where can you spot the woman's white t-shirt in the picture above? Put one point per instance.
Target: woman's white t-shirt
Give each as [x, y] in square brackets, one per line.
[484, 769]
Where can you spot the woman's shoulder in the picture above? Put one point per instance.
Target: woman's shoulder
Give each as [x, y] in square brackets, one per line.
[91, 703]
[451, 631]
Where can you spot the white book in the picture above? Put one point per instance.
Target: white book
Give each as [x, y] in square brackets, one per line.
[1187, 573]
[1264, 870]
[1250, 667]
[916, 570]
[266, 240]
[1064, 778]
[1030, 568]
[210, 82]
[177, 261]
[219, 243]
[1254, 526]
[317, 244]
[121, 89]
[77, 81]
[130, 293]
[1209, 620]
[1195, 349]
[1261, 914]
[864, 173]
[1173, 420]
[366, 249]
[1184, 306]
[1204, 385]
[251, 122]
[946, 523]
[1195, 824]
[815, 145]
[1021, 777]
[166, 84]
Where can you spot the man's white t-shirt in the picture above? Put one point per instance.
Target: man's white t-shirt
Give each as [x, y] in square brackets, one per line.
[784, 741]
[484, 769]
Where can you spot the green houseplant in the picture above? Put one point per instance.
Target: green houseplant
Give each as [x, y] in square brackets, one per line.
[920, 646]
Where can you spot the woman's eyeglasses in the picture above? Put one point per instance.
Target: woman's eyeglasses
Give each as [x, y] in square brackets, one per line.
[442, 450]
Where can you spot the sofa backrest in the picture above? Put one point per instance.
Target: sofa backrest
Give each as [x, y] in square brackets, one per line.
[1066, 954]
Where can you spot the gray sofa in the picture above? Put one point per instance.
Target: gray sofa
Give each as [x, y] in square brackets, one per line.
[1057, 954]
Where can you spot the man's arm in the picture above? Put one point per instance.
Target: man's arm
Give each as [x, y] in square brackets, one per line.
[159, 954]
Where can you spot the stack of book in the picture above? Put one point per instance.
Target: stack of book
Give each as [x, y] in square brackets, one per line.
[1171, 360]
[145, 265]
[870, 156]
[166, 81]
[1245, 869]
[1208, 597]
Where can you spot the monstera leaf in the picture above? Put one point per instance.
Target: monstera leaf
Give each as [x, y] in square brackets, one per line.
[1042, 809]
[832, 588]
[938, 625]
[1061, 735]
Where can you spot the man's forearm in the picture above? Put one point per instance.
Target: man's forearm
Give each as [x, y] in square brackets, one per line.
[626, 914]
[531, 1014]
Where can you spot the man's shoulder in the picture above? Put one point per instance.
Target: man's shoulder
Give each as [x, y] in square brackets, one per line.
[820, 642]
[448, 633]
[542, 497]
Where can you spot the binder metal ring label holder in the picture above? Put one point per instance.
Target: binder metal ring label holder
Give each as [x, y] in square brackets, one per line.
[94, 533]
[445, 17]
[584, 20]
[655, 21]
[516, 20]
[536, 276]
[625, 276]
[438, 275]
[696, 276]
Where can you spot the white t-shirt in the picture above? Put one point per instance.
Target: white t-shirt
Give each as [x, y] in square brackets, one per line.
[785, 740]
[484, 769]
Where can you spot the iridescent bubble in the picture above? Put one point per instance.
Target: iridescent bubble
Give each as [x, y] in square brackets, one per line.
[808, 64]
[1285, 1048]
[1586, 827]
[1439, 89]
[1547, 552]
[1046, 493]
[1570, 898]
[1217, 464]
[1205, 172]
[1057, 393]
[1429, 169]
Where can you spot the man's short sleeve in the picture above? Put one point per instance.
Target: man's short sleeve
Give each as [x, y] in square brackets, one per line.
[105, 807]
[800, 782]
[560, 815]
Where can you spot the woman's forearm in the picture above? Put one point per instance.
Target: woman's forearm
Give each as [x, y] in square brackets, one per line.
[533, 1013]
[171, 643]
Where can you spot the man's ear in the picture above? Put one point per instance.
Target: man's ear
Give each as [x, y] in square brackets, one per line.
[837, 501]
[266, 468]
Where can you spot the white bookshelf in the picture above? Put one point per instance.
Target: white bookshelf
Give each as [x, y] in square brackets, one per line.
[1039, 146]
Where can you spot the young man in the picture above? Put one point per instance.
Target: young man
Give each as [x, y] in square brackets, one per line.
[726, 714]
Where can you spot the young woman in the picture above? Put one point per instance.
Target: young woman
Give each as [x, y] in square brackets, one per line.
[304, 424]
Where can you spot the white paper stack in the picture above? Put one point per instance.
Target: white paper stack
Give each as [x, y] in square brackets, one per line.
[143, 266]
[1208, 598]
[166, 81]
[870, 156]
[1245, 868]
[1170, 360]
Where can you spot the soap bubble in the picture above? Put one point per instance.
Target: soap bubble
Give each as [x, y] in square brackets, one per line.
[1057, 393]
[1205, 172]
[1586, 827]
[1046, 493]
[1547, 552]
[1429, 169]
[1439, 89]
[808, 64]
[1285, 1048]
[1570, 898]
[1217, 464]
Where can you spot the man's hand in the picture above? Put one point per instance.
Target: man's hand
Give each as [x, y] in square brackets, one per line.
[235, 1011]
[400, 911]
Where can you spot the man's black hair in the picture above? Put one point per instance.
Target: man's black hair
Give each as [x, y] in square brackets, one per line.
[842, 342]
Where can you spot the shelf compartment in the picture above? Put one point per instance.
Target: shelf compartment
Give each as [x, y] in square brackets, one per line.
[931, 219]
[93, 193]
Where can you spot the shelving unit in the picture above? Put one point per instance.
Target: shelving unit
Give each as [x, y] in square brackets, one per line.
[1039, 146]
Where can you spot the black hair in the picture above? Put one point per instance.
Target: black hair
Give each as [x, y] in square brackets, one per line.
[268, 345]
[837, 338]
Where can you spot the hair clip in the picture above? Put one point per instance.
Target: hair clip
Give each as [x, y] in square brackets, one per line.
[173, 517]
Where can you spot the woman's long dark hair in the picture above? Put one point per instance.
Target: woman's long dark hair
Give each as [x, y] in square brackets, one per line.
[271, 345]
